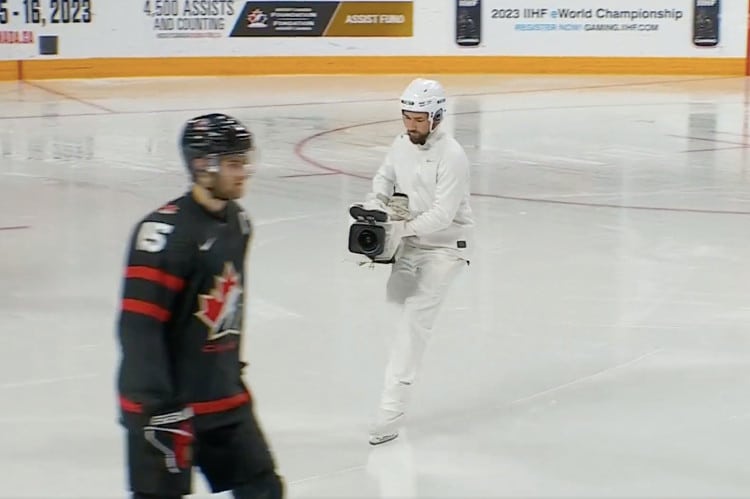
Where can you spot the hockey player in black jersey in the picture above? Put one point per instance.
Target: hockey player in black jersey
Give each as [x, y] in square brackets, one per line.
[182, 398]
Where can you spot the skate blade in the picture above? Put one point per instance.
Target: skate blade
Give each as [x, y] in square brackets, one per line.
[381, 439]
[359, 213]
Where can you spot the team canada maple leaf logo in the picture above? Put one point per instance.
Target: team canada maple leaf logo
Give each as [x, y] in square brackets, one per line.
[220, 310]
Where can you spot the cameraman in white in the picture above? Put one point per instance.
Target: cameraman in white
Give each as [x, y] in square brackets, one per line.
[431, 169]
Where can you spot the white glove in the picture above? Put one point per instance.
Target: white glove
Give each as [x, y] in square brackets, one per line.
[375, 201]
[391, 213]
[398, 207]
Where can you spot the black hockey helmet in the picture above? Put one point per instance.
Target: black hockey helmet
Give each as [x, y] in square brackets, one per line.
[213, 135]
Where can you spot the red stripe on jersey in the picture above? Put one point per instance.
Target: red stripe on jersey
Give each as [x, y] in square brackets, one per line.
[130, 406]
[209, 407]
[145, 308]
[220, 405]
[155, 275]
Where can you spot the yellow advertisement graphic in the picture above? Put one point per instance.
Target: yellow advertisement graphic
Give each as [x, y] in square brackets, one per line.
[387, 19]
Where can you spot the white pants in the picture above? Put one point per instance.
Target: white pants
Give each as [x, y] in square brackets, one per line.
[419, 282]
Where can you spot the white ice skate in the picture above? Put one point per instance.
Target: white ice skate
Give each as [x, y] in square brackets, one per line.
[386, 426]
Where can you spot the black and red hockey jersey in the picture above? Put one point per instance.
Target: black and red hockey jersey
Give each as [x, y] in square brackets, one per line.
[180, 322]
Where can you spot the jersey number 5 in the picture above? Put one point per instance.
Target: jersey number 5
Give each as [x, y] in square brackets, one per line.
[152, 236]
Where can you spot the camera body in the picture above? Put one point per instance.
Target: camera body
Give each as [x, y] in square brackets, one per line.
[373, 234]
[374, 240]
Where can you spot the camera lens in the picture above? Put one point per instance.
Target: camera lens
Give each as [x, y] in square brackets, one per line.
[368, 241]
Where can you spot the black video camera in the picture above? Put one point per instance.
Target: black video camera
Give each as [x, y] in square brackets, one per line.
[370, 235]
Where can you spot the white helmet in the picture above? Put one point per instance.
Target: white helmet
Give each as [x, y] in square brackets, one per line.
[425, 96]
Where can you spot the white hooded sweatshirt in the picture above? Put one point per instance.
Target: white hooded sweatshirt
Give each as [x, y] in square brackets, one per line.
[435, 176]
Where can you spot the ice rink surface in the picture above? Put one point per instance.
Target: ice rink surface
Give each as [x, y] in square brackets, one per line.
[598, 347]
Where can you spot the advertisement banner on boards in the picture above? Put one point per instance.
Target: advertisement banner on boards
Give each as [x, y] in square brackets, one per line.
[162, 28]
[640, 28]
[331, 19]
[301, 18]
[190, 19]
[79, 29]
[34, 27]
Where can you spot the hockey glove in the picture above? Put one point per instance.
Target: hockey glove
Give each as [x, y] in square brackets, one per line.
[170, 434]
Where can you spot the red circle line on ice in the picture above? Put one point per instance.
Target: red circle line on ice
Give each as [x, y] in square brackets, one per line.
[299, 151]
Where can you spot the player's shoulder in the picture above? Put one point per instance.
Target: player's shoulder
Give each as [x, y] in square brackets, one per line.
[173, 212]
[166, 226]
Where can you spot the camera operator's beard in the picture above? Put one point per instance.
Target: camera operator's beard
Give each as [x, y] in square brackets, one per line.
[418, 138]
